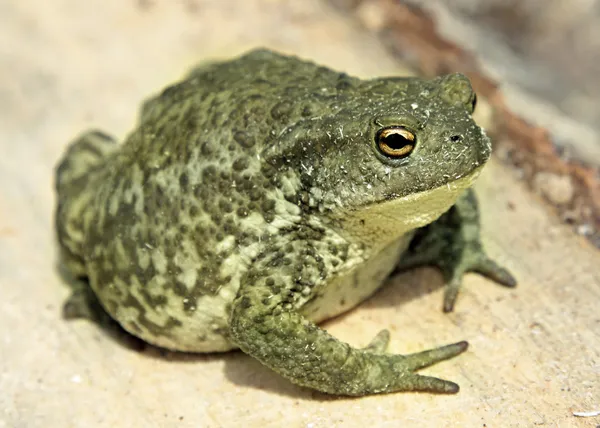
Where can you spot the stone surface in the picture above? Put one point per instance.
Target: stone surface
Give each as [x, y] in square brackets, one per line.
[557, 188]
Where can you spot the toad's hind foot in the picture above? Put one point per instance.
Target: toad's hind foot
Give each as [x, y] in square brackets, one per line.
[83, 304]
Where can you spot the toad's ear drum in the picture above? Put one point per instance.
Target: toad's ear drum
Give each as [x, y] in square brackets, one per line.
[457, 89]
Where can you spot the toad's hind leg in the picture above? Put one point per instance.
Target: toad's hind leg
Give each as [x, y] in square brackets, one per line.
[83, 304]
[83, 156]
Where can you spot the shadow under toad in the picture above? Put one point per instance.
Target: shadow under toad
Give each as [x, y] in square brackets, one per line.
[403, 287]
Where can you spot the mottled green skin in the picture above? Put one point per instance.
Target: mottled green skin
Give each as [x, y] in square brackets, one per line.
[251, 201]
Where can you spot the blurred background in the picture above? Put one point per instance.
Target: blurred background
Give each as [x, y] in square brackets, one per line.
[550, 48]
[544, 53]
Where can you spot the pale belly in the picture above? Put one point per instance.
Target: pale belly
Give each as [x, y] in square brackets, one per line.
[357, 285]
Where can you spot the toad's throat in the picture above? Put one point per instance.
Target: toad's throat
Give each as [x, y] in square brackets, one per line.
[386, 221]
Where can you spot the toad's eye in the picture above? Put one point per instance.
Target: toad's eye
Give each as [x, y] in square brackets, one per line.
[395, 142]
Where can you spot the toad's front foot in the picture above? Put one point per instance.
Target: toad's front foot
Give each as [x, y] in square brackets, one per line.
[473, 259]
[452, 243]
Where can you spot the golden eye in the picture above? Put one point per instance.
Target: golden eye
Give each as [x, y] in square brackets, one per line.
[397, 142]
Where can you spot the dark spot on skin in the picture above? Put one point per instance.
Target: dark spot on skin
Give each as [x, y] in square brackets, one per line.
[225, 206]
[145, 323]
[229, 226]
[243, 139]
[267, 170]
[189, 305]
[293, 198]
[268, 205]
[153, 301]
[281, 111]
[255, 194]
[344, 82]
[217, 220]
[245, 303]
[246, 182]
[224, 187]
[202, 193]
[240, 164]
[209, 173]
[184, 181]
[179, 288]
[307, 111]
[206, 149]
